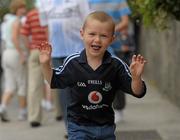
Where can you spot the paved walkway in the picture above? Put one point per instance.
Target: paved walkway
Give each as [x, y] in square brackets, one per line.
[153, 113]
[150, 118]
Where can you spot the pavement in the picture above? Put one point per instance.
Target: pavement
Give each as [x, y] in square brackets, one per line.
[153, 117]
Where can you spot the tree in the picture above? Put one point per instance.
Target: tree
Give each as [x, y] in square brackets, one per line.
[156, 12]
[4, 6]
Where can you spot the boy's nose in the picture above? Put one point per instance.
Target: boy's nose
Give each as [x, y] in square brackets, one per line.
[97, 38]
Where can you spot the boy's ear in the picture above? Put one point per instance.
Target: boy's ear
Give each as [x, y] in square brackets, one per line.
[81, 33]
[113, 38]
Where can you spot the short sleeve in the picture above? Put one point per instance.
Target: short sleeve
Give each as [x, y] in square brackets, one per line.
[25, 28]
[84, 8]
[125, 9]
[61, 77]
[43, 7]
[43, 18]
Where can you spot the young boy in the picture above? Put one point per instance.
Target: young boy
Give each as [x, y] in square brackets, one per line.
[93, 76]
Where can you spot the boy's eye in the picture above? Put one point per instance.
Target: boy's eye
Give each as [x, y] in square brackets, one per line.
[91, 34]
[103, 36]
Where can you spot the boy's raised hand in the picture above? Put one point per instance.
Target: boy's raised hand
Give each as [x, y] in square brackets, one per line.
[137, 66]
[45, 53]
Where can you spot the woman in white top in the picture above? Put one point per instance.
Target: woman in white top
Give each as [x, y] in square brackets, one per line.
[14, 61]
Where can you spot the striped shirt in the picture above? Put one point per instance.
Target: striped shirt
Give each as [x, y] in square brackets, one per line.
[32, 28]
[116, 9]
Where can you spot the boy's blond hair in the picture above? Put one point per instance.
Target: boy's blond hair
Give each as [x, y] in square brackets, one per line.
[16, 4]
[100, 16]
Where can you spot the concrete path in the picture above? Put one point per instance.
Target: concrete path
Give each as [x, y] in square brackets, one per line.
[150, 118]
[153, 113]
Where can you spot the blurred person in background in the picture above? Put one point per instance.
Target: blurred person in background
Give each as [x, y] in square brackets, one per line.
[2, 45]
[120, 12]
[14, 62]
[33, 35]
[63, 19]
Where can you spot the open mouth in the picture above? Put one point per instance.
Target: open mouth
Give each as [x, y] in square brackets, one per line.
[96, 47]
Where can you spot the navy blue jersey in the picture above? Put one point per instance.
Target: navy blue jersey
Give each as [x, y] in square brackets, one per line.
[92, 91]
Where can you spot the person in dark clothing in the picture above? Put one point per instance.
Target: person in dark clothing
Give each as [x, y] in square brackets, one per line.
[94, 76]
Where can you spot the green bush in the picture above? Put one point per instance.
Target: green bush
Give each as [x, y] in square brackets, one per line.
[4, 7]
[156, 12]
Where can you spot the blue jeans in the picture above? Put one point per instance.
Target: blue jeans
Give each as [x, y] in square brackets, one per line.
[80, 132]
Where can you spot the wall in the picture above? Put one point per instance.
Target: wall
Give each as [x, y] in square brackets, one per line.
[162, 51]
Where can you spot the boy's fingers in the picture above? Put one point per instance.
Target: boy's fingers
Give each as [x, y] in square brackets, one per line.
[41, 46]
[49, 47]
[139, 57]
[134, 58]
[45, 47]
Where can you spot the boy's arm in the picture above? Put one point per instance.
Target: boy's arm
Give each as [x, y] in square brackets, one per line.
[136, 68]
[47, 72]
[137, 86]
[45, 59]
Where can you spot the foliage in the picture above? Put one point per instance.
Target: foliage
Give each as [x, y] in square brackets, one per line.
[30, 4]
[4, 6]
[156, 12]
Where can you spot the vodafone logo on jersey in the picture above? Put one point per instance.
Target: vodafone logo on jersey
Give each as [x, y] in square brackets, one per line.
[95, 97]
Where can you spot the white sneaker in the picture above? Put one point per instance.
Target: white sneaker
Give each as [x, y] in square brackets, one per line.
[49, 106]
[22, 117]
[22, 114]
[118, 116]
[43, 104]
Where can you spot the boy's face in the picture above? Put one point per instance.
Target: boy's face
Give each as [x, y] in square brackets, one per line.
[97, 36]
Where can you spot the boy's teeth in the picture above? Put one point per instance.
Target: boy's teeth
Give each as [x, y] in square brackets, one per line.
[95, 46]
